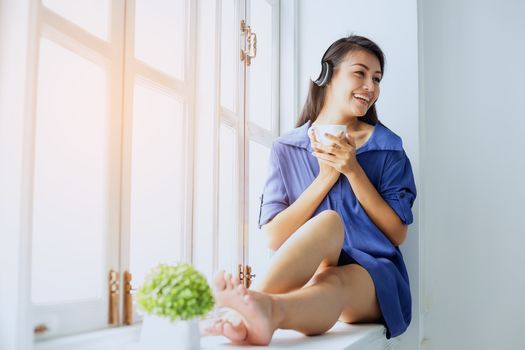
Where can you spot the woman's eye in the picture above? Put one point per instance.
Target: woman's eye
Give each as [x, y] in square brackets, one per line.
[377, 80]
[360, 73]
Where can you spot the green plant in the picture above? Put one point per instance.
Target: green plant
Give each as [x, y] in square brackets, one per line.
[175, 291]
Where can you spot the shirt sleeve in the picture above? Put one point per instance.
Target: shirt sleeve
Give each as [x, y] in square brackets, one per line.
[274, 198]
[397, 185]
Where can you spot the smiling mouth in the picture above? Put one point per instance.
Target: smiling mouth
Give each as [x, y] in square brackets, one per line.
[360, 100]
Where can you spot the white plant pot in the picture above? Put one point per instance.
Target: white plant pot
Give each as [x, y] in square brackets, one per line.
[160, 333]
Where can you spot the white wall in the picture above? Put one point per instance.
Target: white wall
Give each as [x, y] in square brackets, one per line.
[473, 167]
[393, 26]
[14, 19]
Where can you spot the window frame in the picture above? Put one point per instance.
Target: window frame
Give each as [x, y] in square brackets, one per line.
[24, 329]
[136, 70]
[125, 68]
[71, 37]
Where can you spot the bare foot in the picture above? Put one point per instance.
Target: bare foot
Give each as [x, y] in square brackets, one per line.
[235, 331]
[256, 310]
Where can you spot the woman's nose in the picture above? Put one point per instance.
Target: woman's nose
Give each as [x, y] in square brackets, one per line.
[369, 85]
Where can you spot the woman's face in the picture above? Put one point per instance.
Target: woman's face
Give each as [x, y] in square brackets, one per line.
[354, 86]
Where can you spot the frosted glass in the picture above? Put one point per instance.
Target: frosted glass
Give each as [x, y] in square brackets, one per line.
[160, 31]
[229, 56]
[228, 238]
[258, 251]
[156, 180]
[71, 177]
[261, 69]
[93, 16]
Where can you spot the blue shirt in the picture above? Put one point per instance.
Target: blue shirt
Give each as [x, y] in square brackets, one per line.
[292, 168]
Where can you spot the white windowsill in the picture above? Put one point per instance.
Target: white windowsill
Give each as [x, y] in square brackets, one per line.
[341, 337]
[117, 338]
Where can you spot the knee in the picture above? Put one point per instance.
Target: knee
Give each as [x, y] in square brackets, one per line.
[328, 275]
[333, 224]
[332, 217]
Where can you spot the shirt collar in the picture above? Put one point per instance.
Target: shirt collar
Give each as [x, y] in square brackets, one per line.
[382, 139]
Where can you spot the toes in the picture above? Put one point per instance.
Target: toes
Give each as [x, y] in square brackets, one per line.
[233, 318]
[219, 330]
[207, 331]
[228, 280]
[247, 298]
[241, 290]
[234, 333]
[219, 281]
[211, 329]
[236, 281]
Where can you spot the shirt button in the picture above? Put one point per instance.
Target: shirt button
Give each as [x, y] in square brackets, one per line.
[402, 194]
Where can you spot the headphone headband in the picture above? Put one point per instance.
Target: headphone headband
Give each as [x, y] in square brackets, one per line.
[326, 74]
[326, 67]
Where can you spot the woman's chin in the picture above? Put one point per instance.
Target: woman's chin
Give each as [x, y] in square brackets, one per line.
[360, 112]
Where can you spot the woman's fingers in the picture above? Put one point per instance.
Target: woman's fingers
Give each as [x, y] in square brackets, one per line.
[350, 139]
[324, 156]
[311, 136]
[338, 141]
[329, 149]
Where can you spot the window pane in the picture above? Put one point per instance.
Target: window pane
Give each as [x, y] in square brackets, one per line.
[157, 167]
[261, 71]
[258, 251]
[160, 29]
[229, 56]
[228, 237]
[71, 177]
[93, 16]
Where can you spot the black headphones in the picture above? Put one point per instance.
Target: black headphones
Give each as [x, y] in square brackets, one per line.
[326, 74]
[327, 67]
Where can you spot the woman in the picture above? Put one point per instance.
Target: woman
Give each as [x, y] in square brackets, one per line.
[336, 237]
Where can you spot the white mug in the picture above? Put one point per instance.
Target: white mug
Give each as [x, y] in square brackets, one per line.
[321, 129]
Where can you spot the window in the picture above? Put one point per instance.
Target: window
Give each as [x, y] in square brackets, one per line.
[247, 121]
[75, 200]
[150, 144]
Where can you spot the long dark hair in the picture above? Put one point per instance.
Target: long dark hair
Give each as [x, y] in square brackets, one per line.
[335, 54]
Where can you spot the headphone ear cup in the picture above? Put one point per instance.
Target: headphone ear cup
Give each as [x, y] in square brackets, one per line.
[326, 74]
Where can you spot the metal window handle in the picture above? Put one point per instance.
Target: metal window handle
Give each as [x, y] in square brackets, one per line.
[248, 276]
[113, 297]
[40, 328]
[245, 275]
[129, 291]
[251, 39]
[252, 45]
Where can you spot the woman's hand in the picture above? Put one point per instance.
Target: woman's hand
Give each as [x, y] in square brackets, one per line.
[325, 171]
[339, 156]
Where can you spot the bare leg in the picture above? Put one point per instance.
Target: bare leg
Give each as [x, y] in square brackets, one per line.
[346, 291]
[318, 241]
[322, 236]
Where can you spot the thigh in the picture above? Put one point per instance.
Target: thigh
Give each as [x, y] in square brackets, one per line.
[360, 301]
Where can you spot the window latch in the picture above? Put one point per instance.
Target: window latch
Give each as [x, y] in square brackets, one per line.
[128, 298]
[251, 48]
[113, 297]
[245, 275]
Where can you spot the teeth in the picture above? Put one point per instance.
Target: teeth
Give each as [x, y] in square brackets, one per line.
[362, 97]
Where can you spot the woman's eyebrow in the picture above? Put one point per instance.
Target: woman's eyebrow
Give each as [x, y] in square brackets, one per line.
[364, 66]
